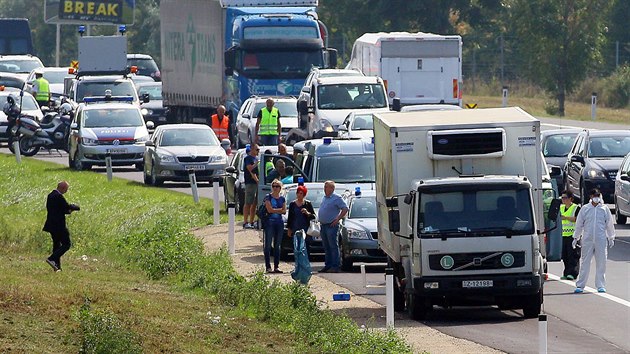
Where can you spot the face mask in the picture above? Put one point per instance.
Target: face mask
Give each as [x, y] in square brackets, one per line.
[596, 200]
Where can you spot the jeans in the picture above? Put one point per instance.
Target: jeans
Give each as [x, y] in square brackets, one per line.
[61, 244]
[331, 245]
[269, 140]
[273, 232]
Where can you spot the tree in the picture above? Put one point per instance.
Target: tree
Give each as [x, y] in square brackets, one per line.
[561, 38]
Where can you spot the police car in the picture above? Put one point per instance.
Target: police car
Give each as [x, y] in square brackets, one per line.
[105, 126]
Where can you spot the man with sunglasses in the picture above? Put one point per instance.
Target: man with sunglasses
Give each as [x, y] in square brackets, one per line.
[570, 257]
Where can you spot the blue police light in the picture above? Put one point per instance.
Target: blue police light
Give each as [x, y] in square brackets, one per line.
[327, 141]
[301, 181]
[357, 191]
[122, 29]
[81, 30]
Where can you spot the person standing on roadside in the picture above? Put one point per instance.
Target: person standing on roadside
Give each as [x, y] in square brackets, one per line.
[220, 124]
[331, 210]
[301, 212]
[570, 257]
[274, 226]
[594, 226]
[250, 170]
[268, 125]
[57, 207]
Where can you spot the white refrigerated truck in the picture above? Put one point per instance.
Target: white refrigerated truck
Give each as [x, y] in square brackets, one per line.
[460, 209]
[418, 68]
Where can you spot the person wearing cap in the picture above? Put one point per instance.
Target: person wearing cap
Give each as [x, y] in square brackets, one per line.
[301, 213]
[332, 209]
[41, 88]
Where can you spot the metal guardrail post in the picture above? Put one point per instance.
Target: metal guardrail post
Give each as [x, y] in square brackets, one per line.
[193, 184]
[231, 221]
[108, 166]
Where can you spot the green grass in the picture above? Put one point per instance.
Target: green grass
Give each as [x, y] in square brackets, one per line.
[137, 279]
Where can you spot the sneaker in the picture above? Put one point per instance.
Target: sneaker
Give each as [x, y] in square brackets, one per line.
[245, 225]
[570, 277]
[601, 290]
[324, 270]
[578, 291]
[250, 226]
[52, 264]
[563, 278]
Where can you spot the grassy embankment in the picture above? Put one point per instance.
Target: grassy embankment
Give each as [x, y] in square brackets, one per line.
[136, 279]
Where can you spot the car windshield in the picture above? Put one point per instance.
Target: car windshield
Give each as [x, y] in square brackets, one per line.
[56, 77]
[346, 169]
[609, 146]
[146, 67]
[362, 208]
[263, 64]
[29, 103]
[558, 145]
[351, 96]
[11, 82]
[154, 91]
[20, 65]
[479, 211]
[287, 109]
[362, 122]
[315, 196]
[97, 88]
[188, 137]
[112, 118]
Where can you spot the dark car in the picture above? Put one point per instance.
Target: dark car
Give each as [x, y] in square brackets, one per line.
[556, 145]
[594, 160]
[153, 110]
[145, 64]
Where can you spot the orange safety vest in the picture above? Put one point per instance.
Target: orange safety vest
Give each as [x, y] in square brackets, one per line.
[221, 128]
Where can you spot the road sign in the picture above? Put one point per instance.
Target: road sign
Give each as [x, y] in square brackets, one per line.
[74, 64]
[88, 12]
[471, 105]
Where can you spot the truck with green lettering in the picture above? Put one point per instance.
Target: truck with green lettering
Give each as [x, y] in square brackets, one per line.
[222, 52]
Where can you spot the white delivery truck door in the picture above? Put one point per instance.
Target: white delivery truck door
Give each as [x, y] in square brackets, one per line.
[421, 71]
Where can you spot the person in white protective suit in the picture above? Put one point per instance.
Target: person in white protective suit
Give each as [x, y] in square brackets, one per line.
[595, 228]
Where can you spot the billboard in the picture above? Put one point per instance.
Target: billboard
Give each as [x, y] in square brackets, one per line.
[88, 12]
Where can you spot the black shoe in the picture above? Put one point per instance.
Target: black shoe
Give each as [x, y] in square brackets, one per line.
[277, 271]
[52, 264]
[324, 270]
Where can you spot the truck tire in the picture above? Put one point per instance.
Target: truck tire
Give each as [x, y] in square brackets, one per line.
[532, 305]
[416, 306]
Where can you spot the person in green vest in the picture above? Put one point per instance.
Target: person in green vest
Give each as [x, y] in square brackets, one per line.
[268, 125]
[41, 88]
[570, 256]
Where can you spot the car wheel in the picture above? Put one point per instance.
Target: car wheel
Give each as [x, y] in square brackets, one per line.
[139, 166]
[620, 219]
[77, 164]
[155, 180]
[346, 261]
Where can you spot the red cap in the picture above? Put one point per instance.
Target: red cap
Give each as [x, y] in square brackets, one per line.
[302, 189]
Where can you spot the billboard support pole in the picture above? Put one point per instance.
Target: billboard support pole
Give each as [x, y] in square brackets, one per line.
[57, 44]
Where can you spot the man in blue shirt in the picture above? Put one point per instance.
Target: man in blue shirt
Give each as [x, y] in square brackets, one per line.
[331, 210]
[250, 170]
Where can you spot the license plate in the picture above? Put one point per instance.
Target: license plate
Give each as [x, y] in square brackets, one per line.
[116, 151]
[196, 167]
[477, 284]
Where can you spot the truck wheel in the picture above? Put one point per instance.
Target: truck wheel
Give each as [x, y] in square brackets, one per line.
[532, 304]
[620, 219]
[416, 306]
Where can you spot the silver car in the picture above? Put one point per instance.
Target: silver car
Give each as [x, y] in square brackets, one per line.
[176, 149]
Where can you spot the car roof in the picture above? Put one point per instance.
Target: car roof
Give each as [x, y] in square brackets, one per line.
[182, 126]
[12, 75]
[598, 133]
[15, 92]
[258, 99]
[139, 56]
[18, 57]
[349, 80]
[337, 146]
[567, 131]
[148, 83]
[53, 68]
[430, 107]
[337, 72]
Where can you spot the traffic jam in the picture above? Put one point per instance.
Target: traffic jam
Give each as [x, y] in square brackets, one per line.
[463, 204]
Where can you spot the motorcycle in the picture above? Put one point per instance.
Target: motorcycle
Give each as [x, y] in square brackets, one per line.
[12, 111]
[48, 135]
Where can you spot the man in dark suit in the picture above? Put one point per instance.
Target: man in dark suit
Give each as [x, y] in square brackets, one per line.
[57, 208]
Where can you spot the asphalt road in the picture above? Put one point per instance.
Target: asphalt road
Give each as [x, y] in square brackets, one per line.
[586, 323]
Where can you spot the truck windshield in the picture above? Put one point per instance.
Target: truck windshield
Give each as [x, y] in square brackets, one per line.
[351, 96]
[270, 64]
[346, 169]
[475, 212]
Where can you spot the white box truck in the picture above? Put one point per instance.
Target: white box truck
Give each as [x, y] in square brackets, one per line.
[418, 68]
[460, 209]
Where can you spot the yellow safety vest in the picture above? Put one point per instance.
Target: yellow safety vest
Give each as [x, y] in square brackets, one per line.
[42, 89]
[568, 227]
[269, 122]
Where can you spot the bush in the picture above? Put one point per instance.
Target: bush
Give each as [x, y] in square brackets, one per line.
[103, 332]
[616, 89]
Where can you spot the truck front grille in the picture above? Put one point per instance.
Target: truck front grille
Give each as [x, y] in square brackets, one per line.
[476, 261]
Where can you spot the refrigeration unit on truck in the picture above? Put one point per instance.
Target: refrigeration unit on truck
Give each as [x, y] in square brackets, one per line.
[460, 208]
[222, 52]
[418, 68]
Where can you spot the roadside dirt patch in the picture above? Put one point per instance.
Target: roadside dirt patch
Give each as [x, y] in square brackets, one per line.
[249, 258]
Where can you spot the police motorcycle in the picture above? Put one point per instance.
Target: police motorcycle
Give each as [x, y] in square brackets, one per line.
[13, 113]
[51, 133]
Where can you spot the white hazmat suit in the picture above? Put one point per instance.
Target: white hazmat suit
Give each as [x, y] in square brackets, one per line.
[594, 226]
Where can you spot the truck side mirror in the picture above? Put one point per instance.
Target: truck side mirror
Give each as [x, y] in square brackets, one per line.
[332, 58]
[303, 107]
[394, 220]
[554, 209]
[396, 104]
[391, 202]
[408, 199]
[229, 57]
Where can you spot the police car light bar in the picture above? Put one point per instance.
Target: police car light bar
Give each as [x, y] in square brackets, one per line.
[95, 99]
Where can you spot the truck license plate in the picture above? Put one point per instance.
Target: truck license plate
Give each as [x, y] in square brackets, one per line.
[117, 151]
[196, 167]
[477, 284]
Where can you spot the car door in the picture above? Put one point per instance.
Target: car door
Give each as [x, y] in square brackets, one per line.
[622, 187]
[149, 151]
[573, 167]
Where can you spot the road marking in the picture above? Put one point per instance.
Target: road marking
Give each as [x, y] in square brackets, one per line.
[562, 126]
[591, 290]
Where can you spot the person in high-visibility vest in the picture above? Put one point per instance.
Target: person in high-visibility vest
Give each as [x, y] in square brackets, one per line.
[41, 89]
[268, 125]
[570, 257]
[220, 124]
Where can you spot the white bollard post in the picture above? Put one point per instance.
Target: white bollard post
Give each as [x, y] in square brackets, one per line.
[231, 220]
[364, 277]
[594, 106]
[16, 149]
[217, 206]
[193, 184]
[505, 96]
[389, 295]
[542, 334]
[108, 166]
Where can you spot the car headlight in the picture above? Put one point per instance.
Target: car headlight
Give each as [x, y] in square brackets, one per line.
[327, 127]
[166, 158]
[142, 139]
[88, 141]
[145, 112]
[358, 234]
[218, 159]
[593, 173]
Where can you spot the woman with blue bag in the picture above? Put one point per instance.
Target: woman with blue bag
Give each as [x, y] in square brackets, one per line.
[301, 212]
